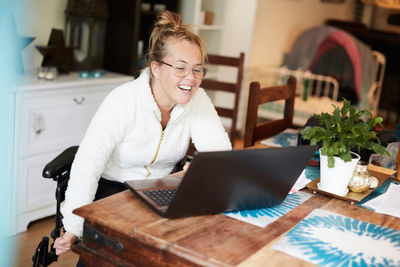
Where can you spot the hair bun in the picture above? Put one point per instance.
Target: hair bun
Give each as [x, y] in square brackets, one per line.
[168, 20]
[169, 25]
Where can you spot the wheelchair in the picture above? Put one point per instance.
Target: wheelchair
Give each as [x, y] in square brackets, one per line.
[59, 169]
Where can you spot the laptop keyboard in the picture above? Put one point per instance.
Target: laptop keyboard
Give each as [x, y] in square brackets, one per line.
[162, 197]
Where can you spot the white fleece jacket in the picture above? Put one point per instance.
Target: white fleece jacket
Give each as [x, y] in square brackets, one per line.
[125, 141]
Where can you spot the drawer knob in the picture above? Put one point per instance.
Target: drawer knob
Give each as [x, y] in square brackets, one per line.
[38, 123]
[79, 101]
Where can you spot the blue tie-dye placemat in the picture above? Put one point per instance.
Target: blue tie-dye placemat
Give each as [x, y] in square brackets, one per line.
[263, 217]
[286, 138]
[329, 239]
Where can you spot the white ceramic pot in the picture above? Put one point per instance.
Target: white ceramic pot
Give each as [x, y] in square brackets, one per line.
[335, 180]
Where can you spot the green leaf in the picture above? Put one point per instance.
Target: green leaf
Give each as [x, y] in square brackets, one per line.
[346, 156]
[378, 120]
[331, 162]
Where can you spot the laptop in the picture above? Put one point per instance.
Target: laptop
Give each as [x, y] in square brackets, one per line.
[225, 181]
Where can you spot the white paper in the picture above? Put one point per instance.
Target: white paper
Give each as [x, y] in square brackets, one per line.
[390, 203]
[301, 182]
[375, 202]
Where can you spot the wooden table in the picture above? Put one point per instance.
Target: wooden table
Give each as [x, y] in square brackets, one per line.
[137, 236]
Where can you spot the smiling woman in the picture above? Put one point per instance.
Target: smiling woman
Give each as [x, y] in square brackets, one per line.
[143, 127]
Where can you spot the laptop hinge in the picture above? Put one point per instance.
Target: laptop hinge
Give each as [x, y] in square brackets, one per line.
[92, 234]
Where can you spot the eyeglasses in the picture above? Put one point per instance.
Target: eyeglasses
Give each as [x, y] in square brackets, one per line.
[182, 69]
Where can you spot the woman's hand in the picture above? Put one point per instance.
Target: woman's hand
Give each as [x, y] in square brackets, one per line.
[64, 243]
[186, 166]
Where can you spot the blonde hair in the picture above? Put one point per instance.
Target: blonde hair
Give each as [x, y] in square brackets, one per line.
[169, 25]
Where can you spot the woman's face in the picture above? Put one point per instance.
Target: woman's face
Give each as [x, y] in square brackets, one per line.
[171, 85]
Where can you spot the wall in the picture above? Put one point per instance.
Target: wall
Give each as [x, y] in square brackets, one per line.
[36, 19]
[279, 22]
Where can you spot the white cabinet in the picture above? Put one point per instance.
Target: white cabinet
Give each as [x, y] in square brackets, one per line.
[49, 117]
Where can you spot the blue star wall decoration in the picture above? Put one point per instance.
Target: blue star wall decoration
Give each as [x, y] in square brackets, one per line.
[11, 44]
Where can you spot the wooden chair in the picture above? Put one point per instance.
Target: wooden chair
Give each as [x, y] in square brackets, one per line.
[210, 84]
[257, 96]
[231, 87]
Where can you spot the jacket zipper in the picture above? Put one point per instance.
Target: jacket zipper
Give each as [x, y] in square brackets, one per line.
[155, 156]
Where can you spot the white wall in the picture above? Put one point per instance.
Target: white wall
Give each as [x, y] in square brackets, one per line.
[279, 22]
[36, 18]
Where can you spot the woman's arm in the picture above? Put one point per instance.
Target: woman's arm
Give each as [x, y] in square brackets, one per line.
[105, 131]
[207, 131]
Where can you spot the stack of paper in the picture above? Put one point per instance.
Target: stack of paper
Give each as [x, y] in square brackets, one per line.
[387, 203]
[301, 182]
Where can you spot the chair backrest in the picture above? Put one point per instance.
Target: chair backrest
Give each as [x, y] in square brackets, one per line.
[230, 87]
[374, 93]
[257, 96]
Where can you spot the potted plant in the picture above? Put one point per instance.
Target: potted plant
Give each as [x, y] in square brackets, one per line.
[344, 130]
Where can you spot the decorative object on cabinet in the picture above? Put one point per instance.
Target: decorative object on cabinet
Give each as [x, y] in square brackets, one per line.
[56, 54]
[86, 22]
[95, 74]
[9, 35]
[50, 116]
[128, 30]
[47, 72]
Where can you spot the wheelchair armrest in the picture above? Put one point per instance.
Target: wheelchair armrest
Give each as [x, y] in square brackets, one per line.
[61, 163]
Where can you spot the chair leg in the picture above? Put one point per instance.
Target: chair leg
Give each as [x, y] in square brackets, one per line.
[40, 256]
[43, 257]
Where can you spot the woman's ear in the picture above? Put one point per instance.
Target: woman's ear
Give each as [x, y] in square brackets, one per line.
[155, 69]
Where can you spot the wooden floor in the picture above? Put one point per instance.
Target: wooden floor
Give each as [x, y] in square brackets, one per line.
[27, 242]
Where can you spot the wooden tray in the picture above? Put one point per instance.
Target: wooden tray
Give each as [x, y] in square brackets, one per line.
[379, 172]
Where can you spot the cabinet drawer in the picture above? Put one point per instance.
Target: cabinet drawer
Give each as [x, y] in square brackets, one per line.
[34, 191]
[57, 120]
